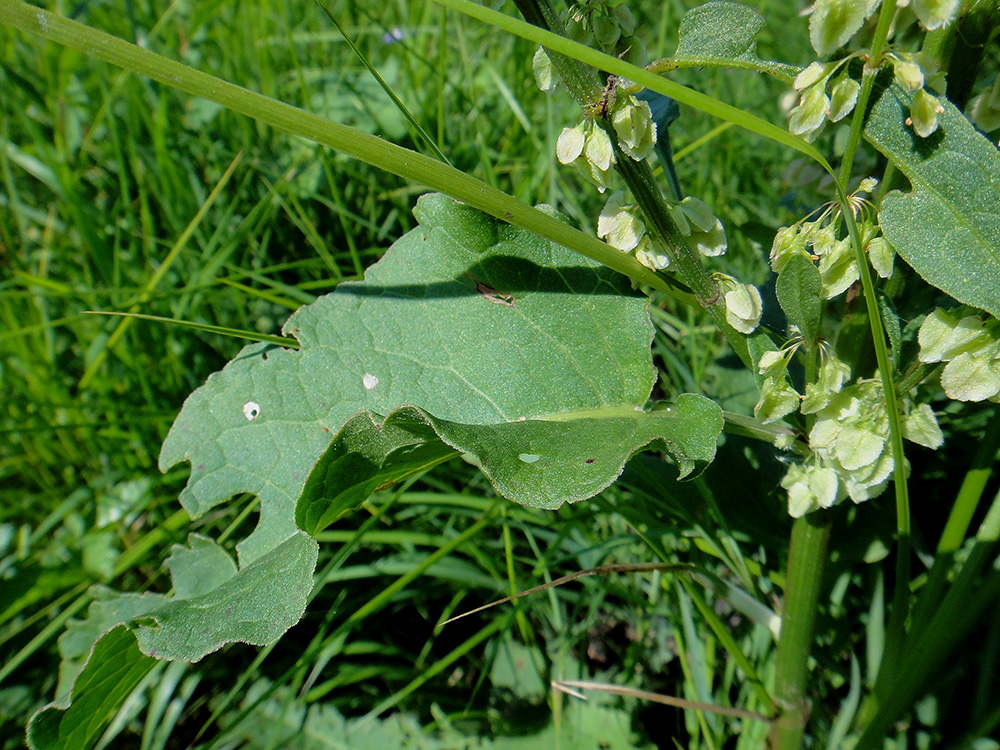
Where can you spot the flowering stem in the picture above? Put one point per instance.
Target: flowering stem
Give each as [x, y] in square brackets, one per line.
[582, 83]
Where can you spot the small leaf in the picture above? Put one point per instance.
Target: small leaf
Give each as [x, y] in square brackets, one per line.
[719, 29]
[800, 294]
[890, 319]
[947, 227]
[256, 606]
[833, 22]
[724, 33]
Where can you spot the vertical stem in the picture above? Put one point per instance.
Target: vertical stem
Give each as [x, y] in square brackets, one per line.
[806, 556]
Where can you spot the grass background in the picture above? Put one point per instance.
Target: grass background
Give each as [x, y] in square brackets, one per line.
[118, 194]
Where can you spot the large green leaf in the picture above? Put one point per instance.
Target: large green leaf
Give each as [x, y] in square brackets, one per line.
[948, 227]
[512, 348]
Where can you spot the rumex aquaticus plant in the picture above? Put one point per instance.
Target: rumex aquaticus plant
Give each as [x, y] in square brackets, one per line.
[498, 332]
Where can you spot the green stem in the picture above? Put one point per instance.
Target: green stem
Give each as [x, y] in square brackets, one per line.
[871, 69]
[806, 557]
[900, 600]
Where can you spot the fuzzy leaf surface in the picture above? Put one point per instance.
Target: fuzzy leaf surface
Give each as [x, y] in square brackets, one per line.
[948, 227]
[724, 33]
[800, 293]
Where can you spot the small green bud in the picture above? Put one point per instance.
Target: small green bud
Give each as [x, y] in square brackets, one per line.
[843, 98]
[651, 255]
[625, 19]
[743, 304]
[569, 144]
[985, 109]
[809, 115]
[777, 399]
[633, 122]
[972, 377]
[833, 22]
[788, 241]
[698, 212]
[943, 336]
[680, 219]
[921, 426]
[773, 363]
[924, 111]
[545, 74]
[811, 74]
[908, 74]
[598, 149]
[619, 226]
[711, 243]
[881, 255]
[605, 30]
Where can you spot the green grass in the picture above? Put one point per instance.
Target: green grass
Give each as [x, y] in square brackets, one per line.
[117, 194]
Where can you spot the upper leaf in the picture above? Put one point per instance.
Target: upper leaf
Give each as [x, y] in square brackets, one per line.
[948, 227]
[724, 33]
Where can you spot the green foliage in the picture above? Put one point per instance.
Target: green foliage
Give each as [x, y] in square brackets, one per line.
[509, 339]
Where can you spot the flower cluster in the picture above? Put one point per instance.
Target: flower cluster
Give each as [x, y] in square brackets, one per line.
[816, 105]
[818, 240]
[909, 70]
[588, 148]
[831, 25]
[621, 226]
[971, 347]
[849, 440]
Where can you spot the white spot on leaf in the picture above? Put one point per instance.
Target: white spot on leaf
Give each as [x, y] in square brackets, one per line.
[251, 410]
[369, 381]
[528, 458]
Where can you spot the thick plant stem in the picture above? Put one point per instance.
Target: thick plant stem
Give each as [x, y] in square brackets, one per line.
[806, 556]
